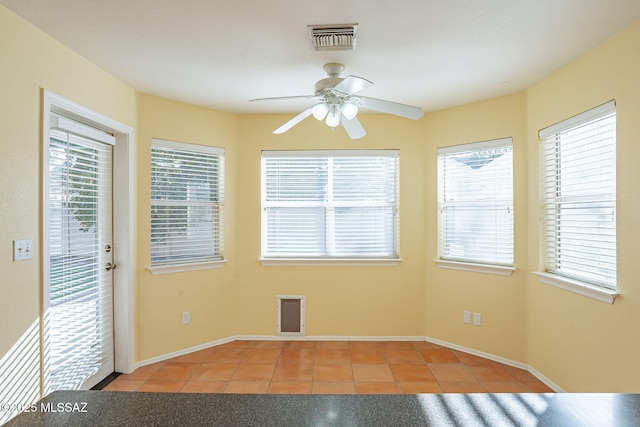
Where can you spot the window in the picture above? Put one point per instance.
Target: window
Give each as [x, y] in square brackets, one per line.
[475, 200]
[330, 204]
[579, 197]
[187, 203]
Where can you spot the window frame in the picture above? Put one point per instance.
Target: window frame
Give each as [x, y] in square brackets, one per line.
[473, 264]
[326, 259]
[550, 138]
[200, 262]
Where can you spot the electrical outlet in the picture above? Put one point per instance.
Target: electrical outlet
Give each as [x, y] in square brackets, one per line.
[186, 317]
[477, 319]
[466, 317]
[22, 249]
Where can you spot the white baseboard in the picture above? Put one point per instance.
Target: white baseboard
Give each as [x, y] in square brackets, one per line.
[182, 352]
[553, 386]
[478, 353]
[453, 346]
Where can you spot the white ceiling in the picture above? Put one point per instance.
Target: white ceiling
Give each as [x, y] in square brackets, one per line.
[430, 53]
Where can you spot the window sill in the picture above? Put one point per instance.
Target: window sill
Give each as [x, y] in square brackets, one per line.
[577, 287]
[329, 262]
[476, 268]
[178, 268]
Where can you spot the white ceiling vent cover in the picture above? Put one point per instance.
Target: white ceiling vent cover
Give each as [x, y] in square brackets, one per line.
[333, 36]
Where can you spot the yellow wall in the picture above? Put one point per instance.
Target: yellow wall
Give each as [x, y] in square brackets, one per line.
[501, 300]
[340, 301]
[209, 295]
[32, 61]
[582, 344]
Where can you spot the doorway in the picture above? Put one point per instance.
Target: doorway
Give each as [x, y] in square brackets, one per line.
[79, 328]
[87, 327]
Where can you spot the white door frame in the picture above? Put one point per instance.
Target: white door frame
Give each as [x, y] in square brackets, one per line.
[123, 217]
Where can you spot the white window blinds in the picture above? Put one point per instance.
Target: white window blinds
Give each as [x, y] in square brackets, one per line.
[334, 204]
[78, 329]
[475, 197]
[187, 203]
[579, 190]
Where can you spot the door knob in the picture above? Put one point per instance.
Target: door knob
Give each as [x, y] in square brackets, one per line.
[110, 266]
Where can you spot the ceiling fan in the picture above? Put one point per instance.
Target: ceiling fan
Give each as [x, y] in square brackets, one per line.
[337, 103]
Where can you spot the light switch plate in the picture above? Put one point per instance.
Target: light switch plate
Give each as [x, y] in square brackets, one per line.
[22, 249]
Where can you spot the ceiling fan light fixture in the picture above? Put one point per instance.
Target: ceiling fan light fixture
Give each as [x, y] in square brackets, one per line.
[319, 111]
[349, 110]
[333, 117]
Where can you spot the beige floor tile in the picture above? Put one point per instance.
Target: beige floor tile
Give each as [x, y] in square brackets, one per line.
[266, 344]
[226, 355]
[506, 387]
[293, 372]
[367, 356]
[372, 373]
[403, 356]
[490, 372]
[424, 345]
[439, 356]
[333, 367]
[333, 388]
[332, 355]
[377, 388]
[472, 387]
[451, 372]
[412, 373]
[332, 344]
[538, 387]
[204, 387]
[290, 345]
[176, 371]
[290, 388]
[254, 372]
[333, 372]
[261, 355]
[162, 386]
[215, 372]
[297, 355]
[365, 345]
[144, 372]
[467, 358]
[420, 387]
[397, 345]
[247, 387]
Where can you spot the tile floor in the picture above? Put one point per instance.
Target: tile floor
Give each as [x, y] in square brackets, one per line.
[329, 367]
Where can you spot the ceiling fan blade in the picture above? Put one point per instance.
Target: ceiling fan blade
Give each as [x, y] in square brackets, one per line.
[352, 84]
[284, 98]
[353, 127]
[402, 110]
[291, 123]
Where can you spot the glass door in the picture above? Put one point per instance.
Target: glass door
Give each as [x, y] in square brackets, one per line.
[78, 297]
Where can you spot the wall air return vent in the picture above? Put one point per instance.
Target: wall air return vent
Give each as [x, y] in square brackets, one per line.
[333, 36]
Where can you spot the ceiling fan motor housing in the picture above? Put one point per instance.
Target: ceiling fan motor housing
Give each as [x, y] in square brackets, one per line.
[333, 70]
[326, 85]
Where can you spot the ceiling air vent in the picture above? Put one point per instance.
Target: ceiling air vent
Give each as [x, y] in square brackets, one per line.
[333, 36]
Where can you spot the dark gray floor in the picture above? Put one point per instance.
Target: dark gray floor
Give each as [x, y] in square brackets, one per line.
[80, 408]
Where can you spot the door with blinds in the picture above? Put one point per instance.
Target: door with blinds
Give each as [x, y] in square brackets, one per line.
[78, 267]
